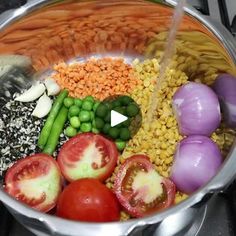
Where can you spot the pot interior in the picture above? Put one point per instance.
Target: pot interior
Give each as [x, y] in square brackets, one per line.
[63, 31]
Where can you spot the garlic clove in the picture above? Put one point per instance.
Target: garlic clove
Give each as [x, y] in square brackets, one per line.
[43, 106]
[34, 92]
[52, 87]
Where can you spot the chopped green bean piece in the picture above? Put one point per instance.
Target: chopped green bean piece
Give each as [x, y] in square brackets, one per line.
[56, 130]
[45, 132]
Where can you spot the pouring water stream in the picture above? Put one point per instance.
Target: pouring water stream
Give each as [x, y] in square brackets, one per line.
[168, 53]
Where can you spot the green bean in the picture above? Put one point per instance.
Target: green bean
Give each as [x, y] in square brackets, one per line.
[51, 118]
[56, 130]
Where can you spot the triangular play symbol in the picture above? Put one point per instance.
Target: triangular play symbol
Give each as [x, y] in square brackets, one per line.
[117, 118]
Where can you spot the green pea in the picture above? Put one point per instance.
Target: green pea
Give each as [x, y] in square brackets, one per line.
[108, 117]
[121, 110]
[120, 144]
[86, 127]
[89, 98]
[70, 131]
[68, 102]
[108, 105]
[74, 111]
[116, 103]
[101, 111]
[106, 128]
[132, 110]
[78, 102]
[125, 134]
[75, 122]
[92, 116]
[114, 132]
[126, 123]
[87, 105]
[95, 131]
[126, 100]
[68, 116]
[95, 106]
[94, 123]
[84, 116]
[99, 123]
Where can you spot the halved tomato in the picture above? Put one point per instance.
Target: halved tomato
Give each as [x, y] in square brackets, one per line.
[140, 189]
[87, 155]
[36, 181]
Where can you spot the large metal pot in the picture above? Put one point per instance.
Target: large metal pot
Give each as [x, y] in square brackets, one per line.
[57, 27]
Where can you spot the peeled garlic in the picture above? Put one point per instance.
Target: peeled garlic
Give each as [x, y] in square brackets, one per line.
[32, 93]
[52, 87]
[43, 106]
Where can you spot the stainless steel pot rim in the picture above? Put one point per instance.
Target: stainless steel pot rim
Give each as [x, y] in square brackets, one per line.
[225, 175]
[30, 212]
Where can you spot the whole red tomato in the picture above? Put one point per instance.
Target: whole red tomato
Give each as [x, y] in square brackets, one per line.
[88, 200]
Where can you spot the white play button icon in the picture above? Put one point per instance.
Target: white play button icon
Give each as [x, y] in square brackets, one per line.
[117, 118]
